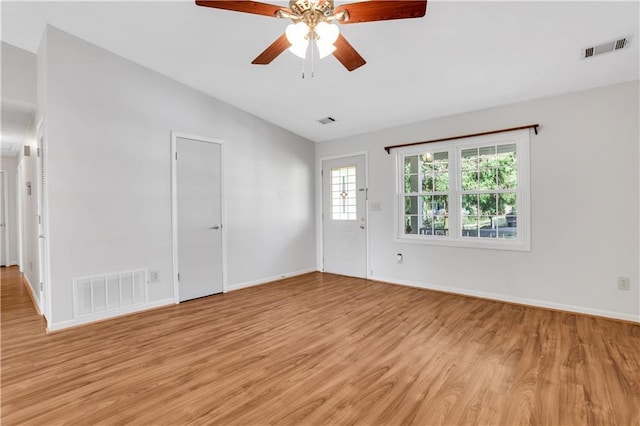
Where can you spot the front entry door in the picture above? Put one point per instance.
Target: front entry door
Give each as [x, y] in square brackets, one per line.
[344, 192]
[198, 166]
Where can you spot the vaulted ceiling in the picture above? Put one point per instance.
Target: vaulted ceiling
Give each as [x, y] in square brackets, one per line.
[461, 56]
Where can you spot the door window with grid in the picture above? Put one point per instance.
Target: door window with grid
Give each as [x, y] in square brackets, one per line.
[344, 193]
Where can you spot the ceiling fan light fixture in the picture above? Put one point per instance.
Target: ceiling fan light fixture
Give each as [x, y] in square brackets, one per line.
[314, 21]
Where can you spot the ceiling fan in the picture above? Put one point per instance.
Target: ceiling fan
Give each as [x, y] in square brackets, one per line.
[313, 22]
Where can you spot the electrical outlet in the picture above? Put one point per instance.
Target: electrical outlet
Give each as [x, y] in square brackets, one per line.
[154, 276]
[624, 283]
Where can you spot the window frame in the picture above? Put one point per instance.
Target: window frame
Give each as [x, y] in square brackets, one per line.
[454, 148]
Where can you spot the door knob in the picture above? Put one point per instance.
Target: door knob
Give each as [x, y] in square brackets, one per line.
[361, 226]
[215, 227]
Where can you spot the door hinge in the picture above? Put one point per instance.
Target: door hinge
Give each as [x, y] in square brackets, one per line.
[41, 286]
[176, 155]
[39, 220]
[38, 152]
[322, 173]
[178, 276]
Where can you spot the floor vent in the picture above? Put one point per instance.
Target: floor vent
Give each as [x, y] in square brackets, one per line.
[609, 46]
[110, 292]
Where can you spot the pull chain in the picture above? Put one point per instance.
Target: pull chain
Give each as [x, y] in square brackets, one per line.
[312, 55]
[304, 62]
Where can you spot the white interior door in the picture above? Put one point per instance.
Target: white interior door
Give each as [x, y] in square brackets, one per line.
[3, 221]
[344, 192]
[198, 185]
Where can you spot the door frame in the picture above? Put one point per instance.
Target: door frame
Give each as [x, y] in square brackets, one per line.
[320, 203]
[19, 212]
[42, 221]
[5, 207]
[174, 209]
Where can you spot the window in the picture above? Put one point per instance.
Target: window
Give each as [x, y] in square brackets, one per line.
[471, 192]
[426, 185]
[343, 193]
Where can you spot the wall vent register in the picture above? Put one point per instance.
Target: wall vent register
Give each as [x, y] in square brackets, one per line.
[606, 47]
[109, 292]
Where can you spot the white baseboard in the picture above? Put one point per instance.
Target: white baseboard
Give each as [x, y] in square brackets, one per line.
[108, 315]
[513, 299]
[233, 287]
[32, 293]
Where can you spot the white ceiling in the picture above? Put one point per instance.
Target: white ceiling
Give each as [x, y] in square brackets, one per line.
[461, 56]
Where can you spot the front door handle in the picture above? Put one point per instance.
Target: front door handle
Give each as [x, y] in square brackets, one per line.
[215, 227]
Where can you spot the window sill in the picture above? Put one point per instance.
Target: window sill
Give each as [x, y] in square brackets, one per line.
[467, 243]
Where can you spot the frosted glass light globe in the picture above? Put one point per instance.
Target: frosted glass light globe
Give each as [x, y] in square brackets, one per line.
[297, 33]
[326, 32]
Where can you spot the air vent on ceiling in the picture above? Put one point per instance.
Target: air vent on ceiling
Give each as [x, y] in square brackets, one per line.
[609, 46]
[326, 120]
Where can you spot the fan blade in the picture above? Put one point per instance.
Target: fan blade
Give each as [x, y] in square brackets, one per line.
[347, 55]
[273, 51]
[368, 11]
[244, 6]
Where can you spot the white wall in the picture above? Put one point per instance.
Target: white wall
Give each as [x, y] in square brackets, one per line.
[584, 197]
[108, 124]
[18, 74]
[9, 166]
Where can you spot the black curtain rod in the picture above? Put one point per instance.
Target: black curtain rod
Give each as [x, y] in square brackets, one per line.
[529, 126]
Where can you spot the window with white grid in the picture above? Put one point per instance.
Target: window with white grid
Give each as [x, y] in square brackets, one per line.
[343, 193]
[426, 193]
[488, 195]
[471, 192]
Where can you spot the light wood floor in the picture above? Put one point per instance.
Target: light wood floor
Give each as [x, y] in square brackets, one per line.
[321, 349]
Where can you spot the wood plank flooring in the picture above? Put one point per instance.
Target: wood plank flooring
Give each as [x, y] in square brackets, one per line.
[321, 349]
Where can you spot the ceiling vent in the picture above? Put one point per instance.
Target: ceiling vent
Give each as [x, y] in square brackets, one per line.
[326, 120]
[609, 46]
